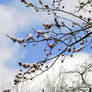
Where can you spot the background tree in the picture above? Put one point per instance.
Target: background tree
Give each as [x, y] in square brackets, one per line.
[63, 36]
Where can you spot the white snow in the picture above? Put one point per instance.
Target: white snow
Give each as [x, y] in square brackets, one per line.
[59, 77]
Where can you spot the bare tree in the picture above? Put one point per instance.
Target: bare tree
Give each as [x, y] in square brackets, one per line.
[72, 35]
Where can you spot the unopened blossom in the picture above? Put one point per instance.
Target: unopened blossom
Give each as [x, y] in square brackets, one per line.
[30, 36]
[47, 25]
[80, 48]
[21, 40]
[13, 39]
[39, 32]
[46, 37]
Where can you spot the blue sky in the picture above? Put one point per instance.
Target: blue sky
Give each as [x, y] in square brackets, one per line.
[5, 1]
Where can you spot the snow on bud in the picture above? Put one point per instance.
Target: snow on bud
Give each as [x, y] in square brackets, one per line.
[35, 66]
[69, 49]
[32, 71]
[27, 75]
[47, 25]
[12, 38]
[79, 49]
[30, 36]
[82, 42]
[46, 37]
[21, 40]
[26, 65]
[50, 46]
[39, 32]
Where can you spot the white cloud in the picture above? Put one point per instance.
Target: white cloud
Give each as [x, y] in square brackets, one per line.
[11, 20]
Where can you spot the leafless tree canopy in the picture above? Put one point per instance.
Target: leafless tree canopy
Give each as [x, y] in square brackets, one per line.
[67, 33]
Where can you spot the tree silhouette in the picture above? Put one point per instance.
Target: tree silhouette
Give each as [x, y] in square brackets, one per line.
[65, 35]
